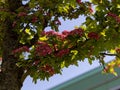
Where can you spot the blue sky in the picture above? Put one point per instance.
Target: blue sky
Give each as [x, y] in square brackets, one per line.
[68, 73]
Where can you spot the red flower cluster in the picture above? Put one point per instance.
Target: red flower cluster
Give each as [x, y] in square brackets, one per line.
[42, 49]
[90, 9]
[117, 18]
[78, 1]
[21, 49]
[61, 36]
[34, 19]
[76, 32]
[36, 62]
[14, 24]
[62, 52]
[64, 34]
[55, 47]
[111, 14]
[117, 50]
[22, 14]
[50, 33]
[49, 69]
[53, 33]
[93, 35]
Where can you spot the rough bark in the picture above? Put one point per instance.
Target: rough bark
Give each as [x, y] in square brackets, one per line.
[10, 77]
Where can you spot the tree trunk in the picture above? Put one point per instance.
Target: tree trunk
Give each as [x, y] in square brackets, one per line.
[10, 76]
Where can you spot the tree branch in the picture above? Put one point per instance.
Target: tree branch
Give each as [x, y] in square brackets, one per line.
[25, 75]
[13, 6]
[108, 54]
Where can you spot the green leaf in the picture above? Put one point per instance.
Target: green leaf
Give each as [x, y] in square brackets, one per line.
[74, 52]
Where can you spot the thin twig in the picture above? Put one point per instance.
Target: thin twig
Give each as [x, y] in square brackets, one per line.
[108, 54]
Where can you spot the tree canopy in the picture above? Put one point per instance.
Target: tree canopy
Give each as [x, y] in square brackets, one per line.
[40, 53]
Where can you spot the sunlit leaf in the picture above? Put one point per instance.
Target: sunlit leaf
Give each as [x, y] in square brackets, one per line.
[44, 38]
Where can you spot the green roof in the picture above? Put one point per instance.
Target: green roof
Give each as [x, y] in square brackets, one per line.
[92, 80]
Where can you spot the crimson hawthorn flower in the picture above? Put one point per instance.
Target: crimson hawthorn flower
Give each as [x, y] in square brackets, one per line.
[93, 35]
[14, 24]
[60, 36]
[90, 10]
[55, 47]
[34, 19]
[117, 18]
[43, 33]
[50, 33]
[49, 69]
[77, 32]
[117, 50]
[65, 32]
[62, 52]
[78, 1]
[51, 72]
[21, 49]
[36, 62]
[43, 49]
[111, 14]
[20, 14]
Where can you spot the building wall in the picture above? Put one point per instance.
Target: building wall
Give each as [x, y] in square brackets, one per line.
[92, 80]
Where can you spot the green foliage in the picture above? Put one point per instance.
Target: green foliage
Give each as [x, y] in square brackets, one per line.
[43, 54]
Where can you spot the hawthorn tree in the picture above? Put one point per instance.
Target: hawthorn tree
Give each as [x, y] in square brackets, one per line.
[27, 49]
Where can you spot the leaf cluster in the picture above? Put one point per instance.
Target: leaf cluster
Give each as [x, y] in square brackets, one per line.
[50, 51]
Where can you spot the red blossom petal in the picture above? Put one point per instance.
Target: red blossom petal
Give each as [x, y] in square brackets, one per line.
[65, 32]
[49, 69]
[78, 1]
[14, 24]
[93, 35]
[111, 14]
[21, 49]
[36, 62]
[34, 19]
[50, 33]
[91, 10]
[77, 32]
[42, 49]
[117, 50]
[62, 52]
[117, 18]
[20, 14]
